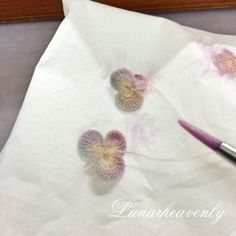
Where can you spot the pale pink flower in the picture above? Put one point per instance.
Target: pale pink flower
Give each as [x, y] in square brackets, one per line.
[106, 153]
[225, 61]
[130, 89]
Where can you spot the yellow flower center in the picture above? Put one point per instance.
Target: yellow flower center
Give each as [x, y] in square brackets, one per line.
[105, 153]
[128, 92]
[229, 62]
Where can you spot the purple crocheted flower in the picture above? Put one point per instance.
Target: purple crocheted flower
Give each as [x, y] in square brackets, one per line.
[130, 88]
[225, 61]
[106, 153]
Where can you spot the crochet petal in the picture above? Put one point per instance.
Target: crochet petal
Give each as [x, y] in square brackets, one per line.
[129, 103]
[119, 77]
[89, 143]
[141, 82]
[115, 140]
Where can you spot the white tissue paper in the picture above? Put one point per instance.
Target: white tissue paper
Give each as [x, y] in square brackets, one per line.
[172, 185]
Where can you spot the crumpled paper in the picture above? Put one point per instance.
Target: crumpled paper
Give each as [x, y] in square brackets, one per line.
[45, 187]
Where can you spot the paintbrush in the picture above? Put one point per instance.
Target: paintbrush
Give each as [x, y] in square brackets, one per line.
[225, 149]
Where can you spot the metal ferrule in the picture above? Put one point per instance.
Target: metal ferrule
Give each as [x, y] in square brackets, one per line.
[228, 151]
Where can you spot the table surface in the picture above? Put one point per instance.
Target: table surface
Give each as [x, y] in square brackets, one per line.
[22, 44]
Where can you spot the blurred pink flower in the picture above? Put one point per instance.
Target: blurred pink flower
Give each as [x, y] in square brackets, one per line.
[225, 61]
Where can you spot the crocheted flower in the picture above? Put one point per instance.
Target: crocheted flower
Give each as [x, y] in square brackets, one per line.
[130, 89]
[106, 154]
[225, 61]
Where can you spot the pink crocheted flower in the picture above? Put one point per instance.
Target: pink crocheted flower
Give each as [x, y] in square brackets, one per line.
[225, 61]
[106, 153]
[130, 87]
